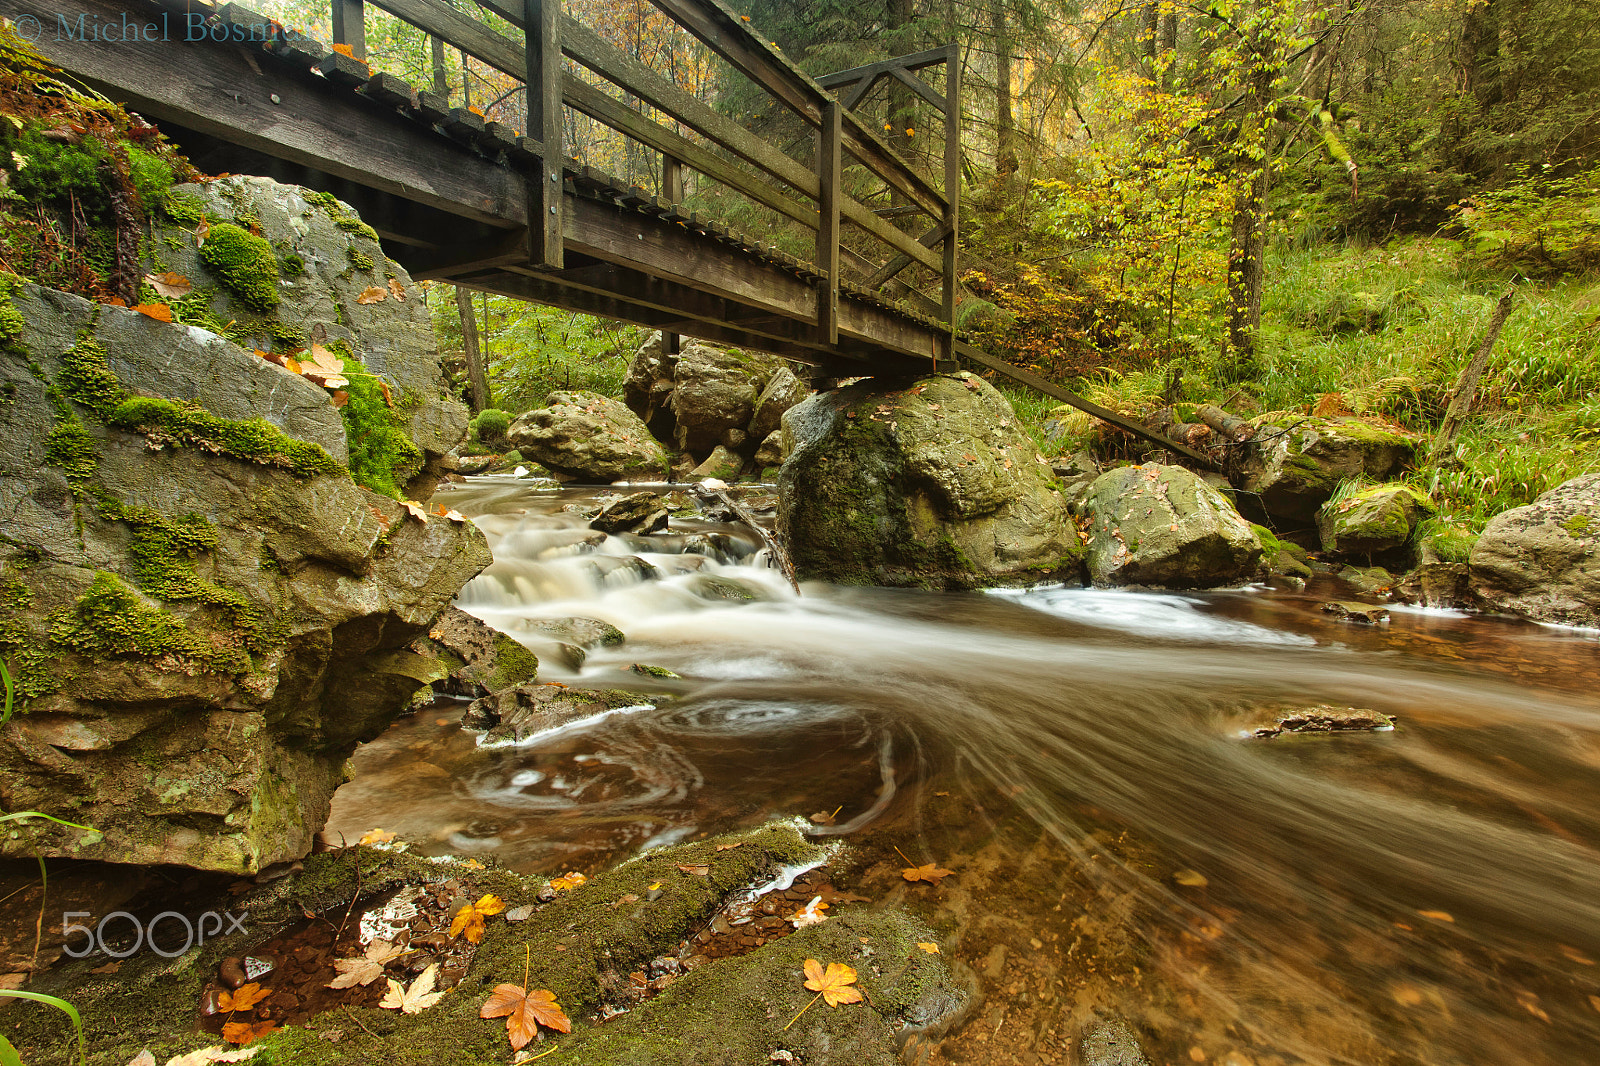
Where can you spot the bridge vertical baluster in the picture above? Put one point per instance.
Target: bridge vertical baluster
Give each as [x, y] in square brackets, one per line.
[441, 80]
[829, 165]
[671, 193]
[349, 27]
[542, 36]
[952, 193]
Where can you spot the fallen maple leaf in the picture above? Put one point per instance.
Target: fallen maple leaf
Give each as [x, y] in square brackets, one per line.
[524, 1012]
[415, 510]
[416, 999]
[159, 312]
[568, 881]
[832, 985]
[929, 873]
[367, 969]
[246, 1032]
[376, 836]
[169, 284]
[372, 295]
[468, 921]
[244, 998]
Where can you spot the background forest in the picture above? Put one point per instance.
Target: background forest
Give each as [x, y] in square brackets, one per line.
[1268, 204]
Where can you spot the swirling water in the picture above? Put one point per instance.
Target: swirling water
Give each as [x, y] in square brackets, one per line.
[1084, 761]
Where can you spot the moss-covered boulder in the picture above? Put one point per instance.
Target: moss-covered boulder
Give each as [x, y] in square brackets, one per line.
[1543, 560]
[479, 660]
[722, 464]
[583, 436]
[276, 268]
[932, 485]
[1162, 525]
[203, 613]
[715, 390]
[1372, 520]
[1296, 463]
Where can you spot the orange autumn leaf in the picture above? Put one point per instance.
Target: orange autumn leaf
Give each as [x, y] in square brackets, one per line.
[245, 998]
[340, 398]
[383, 387]
[170, 285]
[524, 1012]
[246, 1032]
[372, 295]
[834, 982]
[397, 290]
[468, 921]
[930, 873]
[568, 881]
[159, 312]
[348, 50]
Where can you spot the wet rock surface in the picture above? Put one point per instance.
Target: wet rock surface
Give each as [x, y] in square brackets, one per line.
[479, 659]
[1295, 463]
[1351, 611]
[1326, 718]
[1368, 521]
[639, 513]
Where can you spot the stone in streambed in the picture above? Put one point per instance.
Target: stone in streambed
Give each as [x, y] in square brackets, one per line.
[575, 637]
[722, 464]
[531, 708]
[1325, 718]
[1163, 526]
[1351, 611]
[583, 436]
[1543, 560]
[480, 659]
[933, 485]
[639, 513]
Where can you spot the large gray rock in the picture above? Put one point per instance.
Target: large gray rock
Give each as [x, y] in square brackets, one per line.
[781, 392]
[1297, 463]
[1162, 525]
[1372, 520]
[330, 282]
[931, 485]
[203, 613]
[647, 390]
[715, 390]
[1543, 560]
[584, 436]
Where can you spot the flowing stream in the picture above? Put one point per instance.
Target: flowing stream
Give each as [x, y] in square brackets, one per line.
[1084, 761]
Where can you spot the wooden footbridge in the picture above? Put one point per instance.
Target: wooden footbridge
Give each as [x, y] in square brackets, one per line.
[507, 211]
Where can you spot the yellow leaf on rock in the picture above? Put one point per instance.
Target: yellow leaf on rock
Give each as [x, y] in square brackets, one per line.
[159, 312]
[376, 836]
[930, 873]
[834, 983]
[931, 949]
[372, 295]
[170, 285]
[396, 289]
[568, 881]
[416, 999]
[468, 921]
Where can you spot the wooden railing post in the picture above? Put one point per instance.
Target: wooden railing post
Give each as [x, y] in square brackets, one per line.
[952, 192]
[441, 77]
[349, 27]
[542, 29]
[671, 193]
[828, 177]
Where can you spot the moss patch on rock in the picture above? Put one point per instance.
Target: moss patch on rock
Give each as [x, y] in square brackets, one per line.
[245, 264]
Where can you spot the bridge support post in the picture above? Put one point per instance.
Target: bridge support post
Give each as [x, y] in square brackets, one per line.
[829, 168]
[542, 29]
[952, 194]
[672, 194]
[349, 27]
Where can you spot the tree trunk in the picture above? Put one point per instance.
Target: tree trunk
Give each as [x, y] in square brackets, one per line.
[479, 381]
[1246, 272]
[1005, 154]
[1466, 390]
[1168, 45]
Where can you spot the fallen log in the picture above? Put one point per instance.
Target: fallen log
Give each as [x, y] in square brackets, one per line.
[1229, 427]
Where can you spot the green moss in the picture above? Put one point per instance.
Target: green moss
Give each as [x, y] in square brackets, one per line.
[354, 225]
[1578, 525]
[70, 447]
[182, 208]
[359, 260]
[513, 664]
[382, 457]
[285, 335]
[254, 440]
[86, 378]
[245, 263]
[11, 323]
[111, 620]
[294, 264]
[151, 175]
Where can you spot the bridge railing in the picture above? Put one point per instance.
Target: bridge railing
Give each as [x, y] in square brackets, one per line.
[727, 153]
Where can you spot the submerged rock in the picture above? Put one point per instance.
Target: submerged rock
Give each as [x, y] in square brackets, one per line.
[203, 613]
[1325, 718]
[583, 436]
[515, 713]
[934, 485]
[1372, 520]
[574, 637]
[1543, 560]
[1296, 463]
[1111, 1041]
[1162, 525]
[1351, 611]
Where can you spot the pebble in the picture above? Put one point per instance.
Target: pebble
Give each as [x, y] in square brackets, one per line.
[231, 971]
